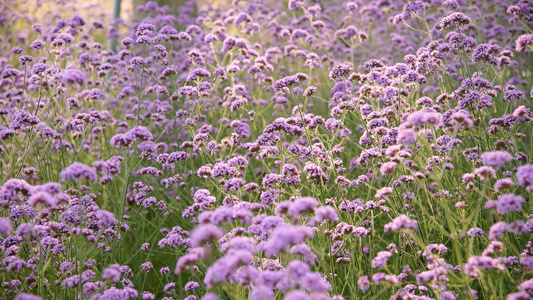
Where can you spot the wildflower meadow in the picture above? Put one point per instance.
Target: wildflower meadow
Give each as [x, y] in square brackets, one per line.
[267, 149]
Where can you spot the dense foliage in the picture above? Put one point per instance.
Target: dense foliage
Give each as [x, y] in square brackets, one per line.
[268, 150]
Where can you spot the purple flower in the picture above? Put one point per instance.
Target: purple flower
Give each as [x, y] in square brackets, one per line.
[302, 205]
[475, 231]
[524, 174]
[478, 263]
[225, 268]
[37, 44]
[496, 158]
[112, 273]
[508, 203]
[524, 42]
[210, 296]
[169, 288]
[204, 234]
[364, 283]
[511, 94]
[269, 196]
[420, 118]
[341, 70]
[289, 81]
[326, 213]
[497, 230]
[115, 293]
[78, 171]
[5, 226]
[387, 168]
[402, 221]
[191, 285]
[410, 8]
[44, 198]
[383, 192]
[504, 183]
[147, 266]
[39, 68]
[380, 261]
[73, 76]
[406, 136]
[105, 218]
[24, 296]
[519, 296]
[485, 173]
[234, 184]
[455, 18]
[295, 4]
[314, 281]
[451, 4]
[284, 236]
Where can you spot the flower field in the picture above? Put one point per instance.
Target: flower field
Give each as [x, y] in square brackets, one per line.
[293, 150]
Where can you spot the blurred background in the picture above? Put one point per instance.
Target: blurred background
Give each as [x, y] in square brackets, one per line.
[17, 16]
[103, 7]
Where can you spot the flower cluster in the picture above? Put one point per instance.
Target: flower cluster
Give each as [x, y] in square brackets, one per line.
[267, 150]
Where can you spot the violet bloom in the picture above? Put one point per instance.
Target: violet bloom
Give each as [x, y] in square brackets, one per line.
[524, 43]
[297, 269]
[419, 118]
[5, 226]
[380, 261]
[387, 168]
[383, 192]
[326, 213]
[455, 18]
[496, 159]
[42, 197]
[191, 285]
[225, 268]
[497, 230]
[73, 76]
[410, 8]
[147, 266]
[295, 4]
[170, 288]
[519, 296]
[204, 234]
[296, 295]
[524, 174]
[24, 296]
[478, 263]
[105, 218]
[526, 286]
[402, 221]
[37, 44]
[285, 236]
[314, 281]
[508, 203]
[406, 136]
[475, 231]
[115, 293]
[485, 172]
[451, 4]
[39, 68]
[504, 183]
[78, 171]
[112, 273]
[341, 70]
[363, 283]
[302, 205]
[210, 296]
